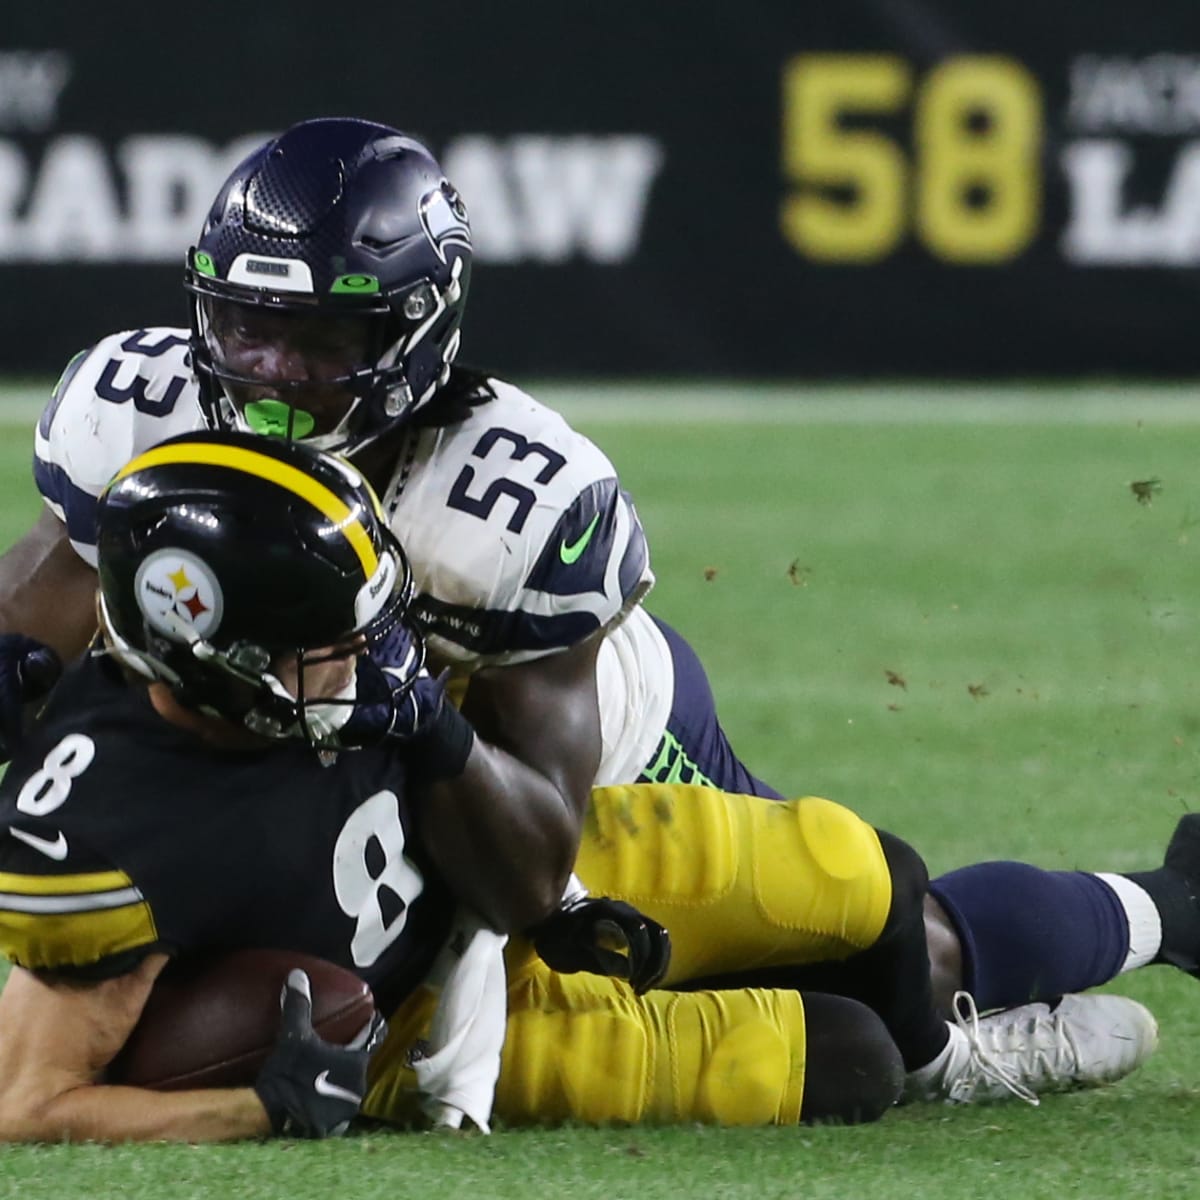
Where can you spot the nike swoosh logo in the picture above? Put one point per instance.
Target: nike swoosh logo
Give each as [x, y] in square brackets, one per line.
[323, 1087]
[571, 553]
[56, 849]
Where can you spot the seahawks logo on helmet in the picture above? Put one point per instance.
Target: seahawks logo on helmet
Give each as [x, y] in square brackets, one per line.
[179, 595]
[444, 219]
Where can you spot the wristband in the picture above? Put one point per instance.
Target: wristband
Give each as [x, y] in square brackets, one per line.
[441, 748]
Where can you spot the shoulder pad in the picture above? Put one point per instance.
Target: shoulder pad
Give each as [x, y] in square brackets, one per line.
[127, 393]
[521, 539]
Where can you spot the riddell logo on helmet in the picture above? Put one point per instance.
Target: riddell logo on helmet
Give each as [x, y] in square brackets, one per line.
[376, 585]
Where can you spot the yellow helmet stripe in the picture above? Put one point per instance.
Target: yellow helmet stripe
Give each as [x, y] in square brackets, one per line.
[236, 458]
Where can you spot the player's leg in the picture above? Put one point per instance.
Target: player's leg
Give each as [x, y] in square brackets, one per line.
[806, 895]
[586, 1048]
[741, 882]
[1028, 934]
[987, 926]
[752, 888]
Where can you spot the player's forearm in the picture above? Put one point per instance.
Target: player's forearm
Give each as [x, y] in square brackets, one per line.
[505, 836]
[41, 564]
[126, 1114]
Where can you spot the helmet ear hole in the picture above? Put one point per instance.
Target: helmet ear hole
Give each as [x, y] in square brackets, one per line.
[369, 201]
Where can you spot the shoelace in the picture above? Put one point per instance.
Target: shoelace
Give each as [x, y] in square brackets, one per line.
[987, 1066]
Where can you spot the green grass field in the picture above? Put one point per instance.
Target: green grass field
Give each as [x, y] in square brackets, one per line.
[946, 608]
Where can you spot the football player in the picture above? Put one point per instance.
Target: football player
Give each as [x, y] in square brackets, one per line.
[186, 791]
[327, 292]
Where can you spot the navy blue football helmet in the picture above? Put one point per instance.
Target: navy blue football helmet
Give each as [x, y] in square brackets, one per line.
[340, 218]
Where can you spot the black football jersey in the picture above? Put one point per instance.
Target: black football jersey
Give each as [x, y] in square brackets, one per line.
[121, 834]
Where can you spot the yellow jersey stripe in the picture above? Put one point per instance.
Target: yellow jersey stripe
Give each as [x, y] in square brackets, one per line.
[63, 885]
[237, 458]
[48, 940]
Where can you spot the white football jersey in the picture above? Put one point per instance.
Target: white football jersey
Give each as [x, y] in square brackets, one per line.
[521, 540]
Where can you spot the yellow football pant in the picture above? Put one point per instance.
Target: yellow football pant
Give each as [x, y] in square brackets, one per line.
[585, 1048]
[741, 883]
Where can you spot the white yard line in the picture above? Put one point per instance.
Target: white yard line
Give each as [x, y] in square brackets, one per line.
[775, 403]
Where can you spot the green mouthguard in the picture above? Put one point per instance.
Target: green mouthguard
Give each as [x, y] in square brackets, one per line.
[270, 419]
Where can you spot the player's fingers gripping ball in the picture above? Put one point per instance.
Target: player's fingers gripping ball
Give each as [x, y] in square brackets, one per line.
[310, 1087]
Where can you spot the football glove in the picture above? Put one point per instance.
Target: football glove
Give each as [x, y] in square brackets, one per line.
[310, 1087]
[397, 700]
[395, 695]
[28, 670]
[604, 937]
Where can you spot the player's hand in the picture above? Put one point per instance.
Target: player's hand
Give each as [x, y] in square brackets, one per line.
[604, 937]
[310, 1087]
[28, 670]
[397, 700]
[396, 696]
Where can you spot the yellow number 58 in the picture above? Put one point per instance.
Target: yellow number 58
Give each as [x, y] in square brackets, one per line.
[973, 193]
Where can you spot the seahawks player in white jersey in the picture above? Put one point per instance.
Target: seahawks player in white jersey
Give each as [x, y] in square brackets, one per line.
[525, 543]
[327, 293]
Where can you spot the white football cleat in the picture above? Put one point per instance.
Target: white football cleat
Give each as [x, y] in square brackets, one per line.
[1079, 1042]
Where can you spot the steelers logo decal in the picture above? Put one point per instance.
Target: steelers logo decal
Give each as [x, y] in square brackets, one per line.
[176, 590]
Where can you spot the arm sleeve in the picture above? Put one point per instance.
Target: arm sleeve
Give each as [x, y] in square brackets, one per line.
[90, 919]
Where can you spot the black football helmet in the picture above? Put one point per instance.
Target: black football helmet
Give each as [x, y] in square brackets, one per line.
[341, 217]
[221, 552]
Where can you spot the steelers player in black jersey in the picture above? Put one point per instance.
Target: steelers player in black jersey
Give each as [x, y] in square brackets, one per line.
[171, 800]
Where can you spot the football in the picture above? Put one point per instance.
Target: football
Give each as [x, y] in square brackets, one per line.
[213, 1022]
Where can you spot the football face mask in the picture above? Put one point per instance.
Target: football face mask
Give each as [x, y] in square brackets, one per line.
[288, 374]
